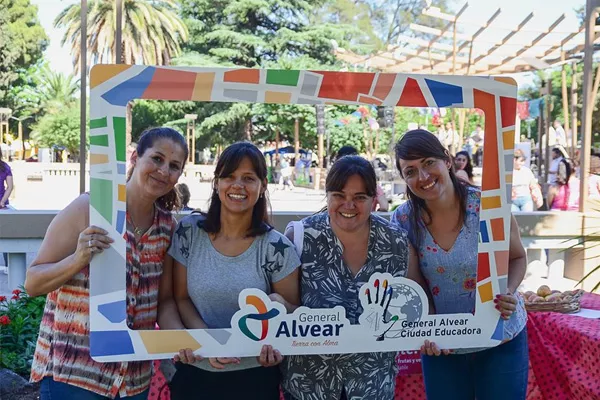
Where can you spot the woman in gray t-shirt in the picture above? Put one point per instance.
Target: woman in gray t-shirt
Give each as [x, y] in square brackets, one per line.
[218, 254]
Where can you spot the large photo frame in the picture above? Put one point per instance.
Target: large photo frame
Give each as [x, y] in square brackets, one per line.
[112, 87]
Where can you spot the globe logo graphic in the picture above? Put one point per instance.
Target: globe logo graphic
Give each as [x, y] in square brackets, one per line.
[406, 304]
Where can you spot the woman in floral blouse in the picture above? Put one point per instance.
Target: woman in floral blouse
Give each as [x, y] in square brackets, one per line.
[442, 220]
[341, 248]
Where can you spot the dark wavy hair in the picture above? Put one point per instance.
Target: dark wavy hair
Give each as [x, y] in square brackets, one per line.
[169, 201]
[184, 194]
[469, 167]
[228, 162]
[348, 166]
[417, 144]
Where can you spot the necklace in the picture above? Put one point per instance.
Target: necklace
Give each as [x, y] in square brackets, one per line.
[137, 231]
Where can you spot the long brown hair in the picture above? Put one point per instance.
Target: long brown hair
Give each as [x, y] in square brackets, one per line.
[169, 201]
[417, 144]
[228, 162]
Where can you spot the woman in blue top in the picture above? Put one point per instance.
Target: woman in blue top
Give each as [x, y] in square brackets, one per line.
[442, 220]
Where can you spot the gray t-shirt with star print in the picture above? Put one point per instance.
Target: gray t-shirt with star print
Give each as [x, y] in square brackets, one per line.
[214, 281]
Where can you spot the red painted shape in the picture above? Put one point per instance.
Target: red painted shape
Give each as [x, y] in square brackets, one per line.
[412, 96]
[345, 85]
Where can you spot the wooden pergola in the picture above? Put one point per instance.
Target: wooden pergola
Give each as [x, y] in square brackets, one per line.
[452, 52]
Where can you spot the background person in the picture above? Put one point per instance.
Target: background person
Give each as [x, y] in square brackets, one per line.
[62, 359]
[218, 254]
[464, 168]
[564, 194]
[340, 248]
[6, 183]
[184, 196]
[526, 192]
[442, 220]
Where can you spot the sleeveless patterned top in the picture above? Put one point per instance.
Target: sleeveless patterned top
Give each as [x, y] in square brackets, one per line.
[327, 282]
[63, 350]
[452, 275]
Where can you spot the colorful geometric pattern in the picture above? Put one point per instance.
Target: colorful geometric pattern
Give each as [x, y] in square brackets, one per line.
[113, 86]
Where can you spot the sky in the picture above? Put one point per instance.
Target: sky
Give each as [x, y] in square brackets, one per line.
[513, 11]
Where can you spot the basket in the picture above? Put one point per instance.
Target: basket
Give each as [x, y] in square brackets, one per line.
[569, 306]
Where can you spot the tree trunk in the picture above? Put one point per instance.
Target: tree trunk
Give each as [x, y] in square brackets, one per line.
[248, 130]
[297, 138]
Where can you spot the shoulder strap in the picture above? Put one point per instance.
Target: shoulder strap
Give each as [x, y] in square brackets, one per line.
[298, 230]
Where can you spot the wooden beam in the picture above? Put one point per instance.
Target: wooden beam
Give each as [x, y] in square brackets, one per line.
[588, 105]
[565, 100]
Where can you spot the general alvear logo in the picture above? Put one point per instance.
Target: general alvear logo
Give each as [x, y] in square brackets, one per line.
[263, 315]
[304, 323]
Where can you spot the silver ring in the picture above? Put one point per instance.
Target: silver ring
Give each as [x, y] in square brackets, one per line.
[90, 243]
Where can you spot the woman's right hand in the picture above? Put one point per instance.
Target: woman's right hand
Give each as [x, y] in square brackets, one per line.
[187, 356]
[431, 349]
[91, 240]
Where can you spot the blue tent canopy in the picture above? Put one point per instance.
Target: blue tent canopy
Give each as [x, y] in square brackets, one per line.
[285, 150]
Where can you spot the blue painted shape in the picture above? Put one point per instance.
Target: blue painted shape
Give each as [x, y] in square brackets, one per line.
[114, 312]
[133, 88]
[121, 168]
[110, 343]
[499, 331]
[121, 222]
[483, 231]
[445, 94]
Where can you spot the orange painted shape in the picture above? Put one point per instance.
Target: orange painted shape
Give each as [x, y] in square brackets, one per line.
[508, 140]
[384, 85]
[508, 110]
[491, 170]
[203, 86]
[497, 229]
[278, 97]
[344, 85]
[485, 292]
[101, 73]
[168, 84]
[368, 100]
[501, 258]
[509, 81]
[242, 76]
[489, 203]
[121, 193]
[98, 158]
[412, 96]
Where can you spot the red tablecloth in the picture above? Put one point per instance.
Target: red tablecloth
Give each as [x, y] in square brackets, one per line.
[564, 355]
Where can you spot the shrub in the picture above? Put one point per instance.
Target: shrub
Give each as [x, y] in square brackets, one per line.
[20, 317]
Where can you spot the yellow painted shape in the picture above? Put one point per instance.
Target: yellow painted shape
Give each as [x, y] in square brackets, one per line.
[509, 178]
[506, 80]
[121, 193]
[508, 140]
[102, 73]
[203, 86]
[485, 292]
[278, 97]
[488, 203]
[158, 342]
[98, 158]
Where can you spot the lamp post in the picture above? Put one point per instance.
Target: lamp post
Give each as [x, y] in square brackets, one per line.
[20, 120]
[5, 114]
[191, 136]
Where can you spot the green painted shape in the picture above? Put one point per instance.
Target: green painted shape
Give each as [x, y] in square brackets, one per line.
[119, 129]
[99, 140]
[283, 77]
[101, 197]
[98, 123]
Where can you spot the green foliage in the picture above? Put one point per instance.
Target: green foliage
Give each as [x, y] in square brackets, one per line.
[20, 317]
[22, 41]
[60, 128]
[152, 31]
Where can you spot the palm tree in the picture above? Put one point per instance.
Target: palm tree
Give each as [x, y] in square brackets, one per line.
[151, 34]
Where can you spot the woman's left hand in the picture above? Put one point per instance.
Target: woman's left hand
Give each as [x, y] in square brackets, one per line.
[269, 357]
[506, 304]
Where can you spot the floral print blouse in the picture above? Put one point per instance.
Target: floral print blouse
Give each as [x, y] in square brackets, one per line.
[452, 275]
